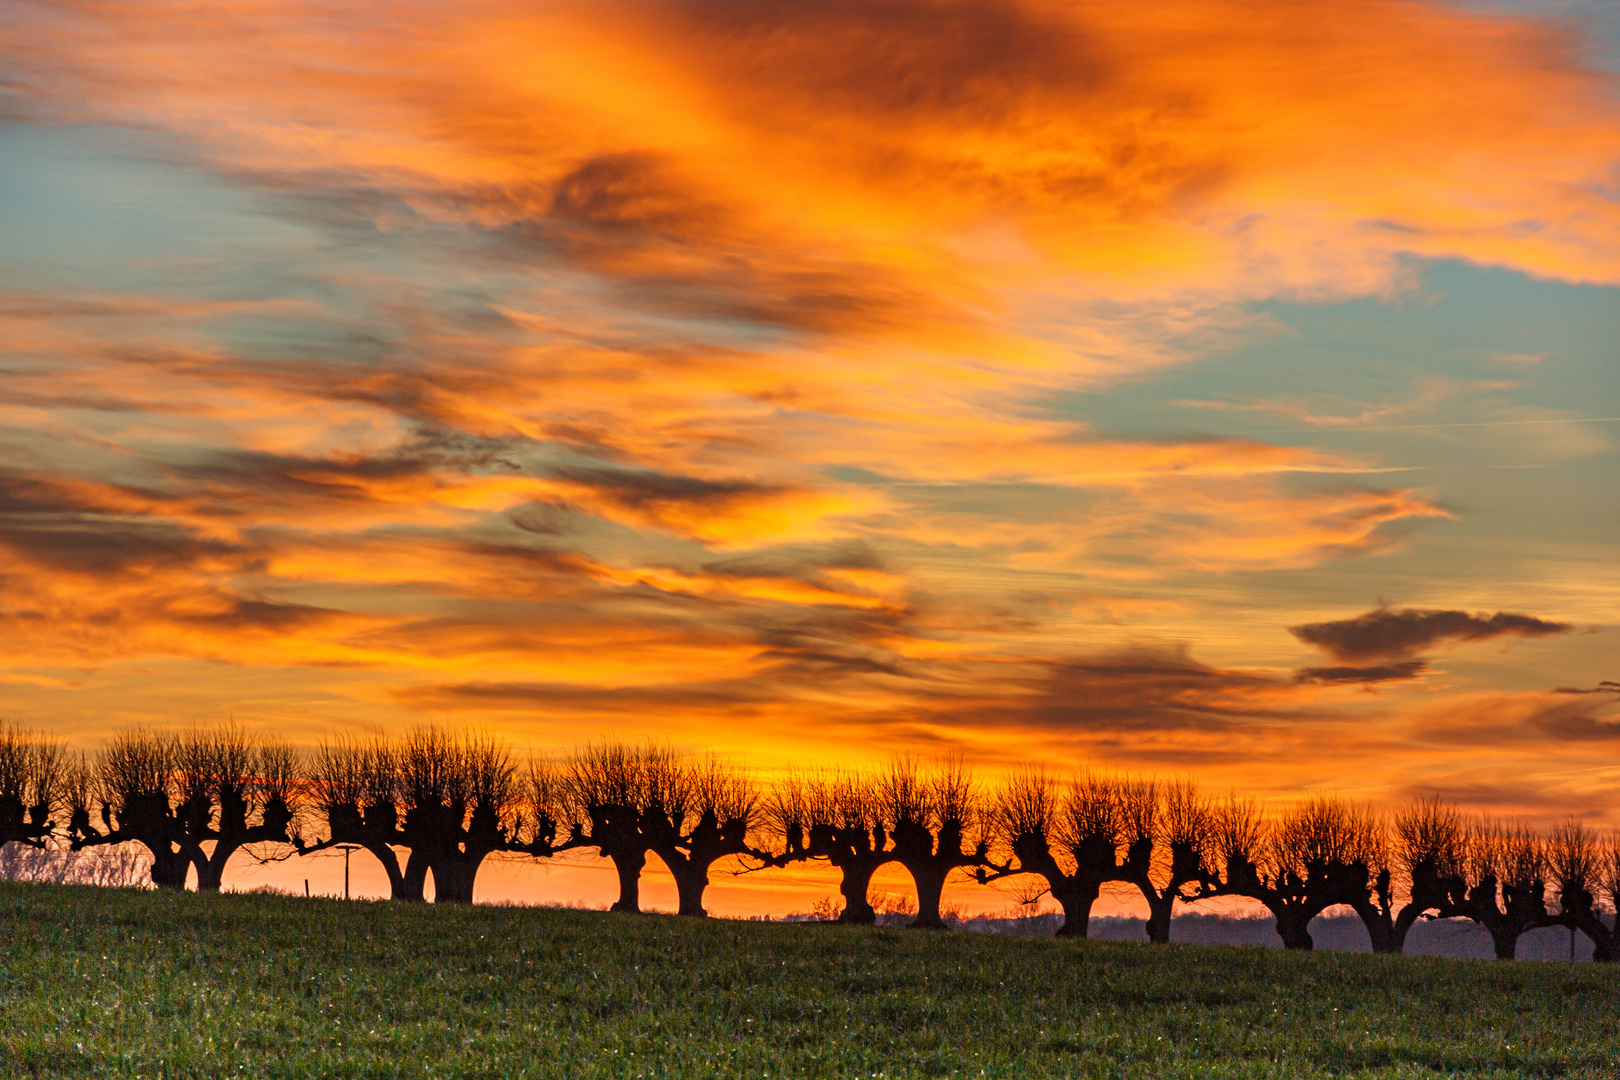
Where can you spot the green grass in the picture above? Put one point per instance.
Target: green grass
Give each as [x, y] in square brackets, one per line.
[100, 982]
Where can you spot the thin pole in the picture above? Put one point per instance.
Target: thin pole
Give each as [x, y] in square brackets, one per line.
[346, 895]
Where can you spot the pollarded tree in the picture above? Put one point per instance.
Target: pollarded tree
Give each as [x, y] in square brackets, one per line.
[1608, 875]
[836, 817]
[33, 784]
[1311, 859]
[1575, 865]
[1367, 864]
[131, 791]
[699, 812]
[607, 788]
[1505, 877]
[356, 790]
[235, 790]
[463, 803]
[934, 822]
[1166, 835]
[450, 800]
[1426, 849]
[1071, 840]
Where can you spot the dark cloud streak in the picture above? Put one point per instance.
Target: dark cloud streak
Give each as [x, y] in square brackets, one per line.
[1397, 635]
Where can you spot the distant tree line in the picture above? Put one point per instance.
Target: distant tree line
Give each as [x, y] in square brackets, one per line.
[438, 802]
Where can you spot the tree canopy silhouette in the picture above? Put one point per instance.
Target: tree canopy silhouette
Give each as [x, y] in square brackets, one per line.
[450, 799]
[838, 817]
[33, 783]
[1069, 836]
[1165, 830]
[130, 791]
[698, 811]
[235, 790]
[934, 820]
[1505, 882]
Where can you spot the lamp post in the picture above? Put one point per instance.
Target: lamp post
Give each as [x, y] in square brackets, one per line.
[346, 848]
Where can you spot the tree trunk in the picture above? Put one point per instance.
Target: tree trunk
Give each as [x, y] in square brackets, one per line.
[1160, 909]
[854, 887]
[1294, 929]
[453, 881]
[690, 883]
[1385, 935]
[1077, 901]
[930, 881]
[168, 867]
[1506, 941]
[412, 884]
[628, 865]
[209, 877]
[211, 868]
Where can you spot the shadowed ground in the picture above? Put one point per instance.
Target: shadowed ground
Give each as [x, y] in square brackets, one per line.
[112, 982]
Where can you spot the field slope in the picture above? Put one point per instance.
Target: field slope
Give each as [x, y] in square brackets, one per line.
[97, 982]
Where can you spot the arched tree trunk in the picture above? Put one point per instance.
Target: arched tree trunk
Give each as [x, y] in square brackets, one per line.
[856, 883]
[691, 874]
[689, 886]
[628, 865]
[412, 885]
[690, 883]
[1580, 914]
[1076, 898]
[930, 882]
[1294, 928]
[168, 866]
[453, 881]
[1404, 922]
[209, 875]
[1160, 908]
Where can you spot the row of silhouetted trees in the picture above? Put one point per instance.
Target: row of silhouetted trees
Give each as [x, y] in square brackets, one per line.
[441, 802]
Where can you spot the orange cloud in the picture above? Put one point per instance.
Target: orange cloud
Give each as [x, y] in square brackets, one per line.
[690, 364]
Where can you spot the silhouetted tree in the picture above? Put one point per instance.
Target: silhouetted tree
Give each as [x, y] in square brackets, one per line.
[1505, 878]
[1575, 863]
[461, 800]
[451, 800]
[356, 786]
[836, 817]
[235, 790]
[33, 784]
[1311, 859]
[934, 827]
[1071, 840]
[608, 788]
[698, 812]
[1166, 834]
[1426, 850]
[130, 790]
[1608, 877]
[543, 832]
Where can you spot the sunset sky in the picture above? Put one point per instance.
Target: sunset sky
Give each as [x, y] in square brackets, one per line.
[1219, 387]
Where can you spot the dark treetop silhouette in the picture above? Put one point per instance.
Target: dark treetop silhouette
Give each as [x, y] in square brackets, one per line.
[191, 800]
[448, 801]
[33, 779]
[1070, 837]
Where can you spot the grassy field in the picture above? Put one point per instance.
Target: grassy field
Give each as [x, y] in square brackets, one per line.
[98, 982]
